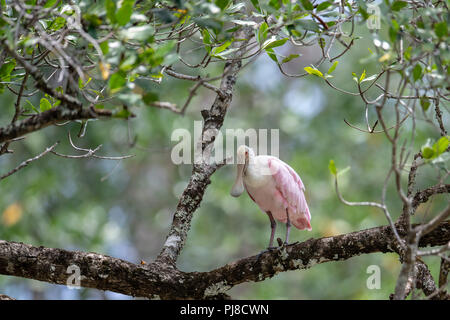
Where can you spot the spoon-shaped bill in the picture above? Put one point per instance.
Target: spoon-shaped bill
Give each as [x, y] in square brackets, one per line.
[238, 187]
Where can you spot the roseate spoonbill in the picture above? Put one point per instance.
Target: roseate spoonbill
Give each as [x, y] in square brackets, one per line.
[275, 187]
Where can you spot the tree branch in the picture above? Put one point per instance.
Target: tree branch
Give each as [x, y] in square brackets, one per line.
[213, 120]
[423, 195]
[159, 280]
[47, 118]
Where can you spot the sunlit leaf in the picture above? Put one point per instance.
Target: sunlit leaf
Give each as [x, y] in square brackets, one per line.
[332, 168]
[273, 43]
[333, 67]
[45, 105]
[314, 71]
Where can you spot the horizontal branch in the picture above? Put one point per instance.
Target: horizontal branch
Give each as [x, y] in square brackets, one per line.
[47, 118]
[159, 280]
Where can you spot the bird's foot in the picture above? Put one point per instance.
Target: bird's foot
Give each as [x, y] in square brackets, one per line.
[288, 244]
[267, 250]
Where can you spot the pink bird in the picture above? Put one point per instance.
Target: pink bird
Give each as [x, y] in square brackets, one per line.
[275, 187]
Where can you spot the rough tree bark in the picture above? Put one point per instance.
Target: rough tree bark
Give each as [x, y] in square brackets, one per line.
[159, 280]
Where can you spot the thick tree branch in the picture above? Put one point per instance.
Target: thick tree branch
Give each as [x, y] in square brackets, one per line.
[164, 281]
[213, 120]
[424, 279]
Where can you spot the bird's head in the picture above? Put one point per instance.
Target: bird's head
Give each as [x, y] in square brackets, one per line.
[244, 156]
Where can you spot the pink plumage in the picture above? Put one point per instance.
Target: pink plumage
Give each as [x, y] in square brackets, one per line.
[291, 190]
[275, 187]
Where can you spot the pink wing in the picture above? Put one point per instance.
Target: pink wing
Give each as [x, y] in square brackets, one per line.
[291, 189]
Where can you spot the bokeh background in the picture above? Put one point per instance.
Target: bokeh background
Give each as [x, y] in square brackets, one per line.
[124, 209]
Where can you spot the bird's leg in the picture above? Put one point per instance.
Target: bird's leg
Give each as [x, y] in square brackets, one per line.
[288, 228]
[273, 226]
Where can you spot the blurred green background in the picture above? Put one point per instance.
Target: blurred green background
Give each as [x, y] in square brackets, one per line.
[125, 209]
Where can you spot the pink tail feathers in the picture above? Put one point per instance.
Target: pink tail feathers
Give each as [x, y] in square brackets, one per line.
[302, 221]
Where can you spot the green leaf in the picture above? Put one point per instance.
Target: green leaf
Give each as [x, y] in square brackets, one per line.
[272, 55]
[398, 5]
[262, 33]
[221, 48]
[323, 5]
[417, 72]
[333, 67]
[6, 69]
[32, 106]
[117, 81]
[111, 10]
[57, 24]
[424, 103]
[363, 76]
[256, 4]
[427, 152]
[408, 53]
[45, 105]
[206, 40]
[50, 3]
[441, 29]
[276, 4]
[332, 168]
[441, 145]
[82, 85]
[314, 71]
[272, 43]
[105, 47]
[222, 4]
[372, 77]
[307, 4]
[289, 58]
[123, 15]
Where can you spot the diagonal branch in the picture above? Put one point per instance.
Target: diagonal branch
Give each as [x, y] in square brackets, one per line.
[28, 161]
[423, 195]
[213, 120]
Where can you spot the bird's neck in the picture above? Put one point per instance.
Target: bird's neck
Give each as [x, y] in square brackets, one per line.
[254, 175]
